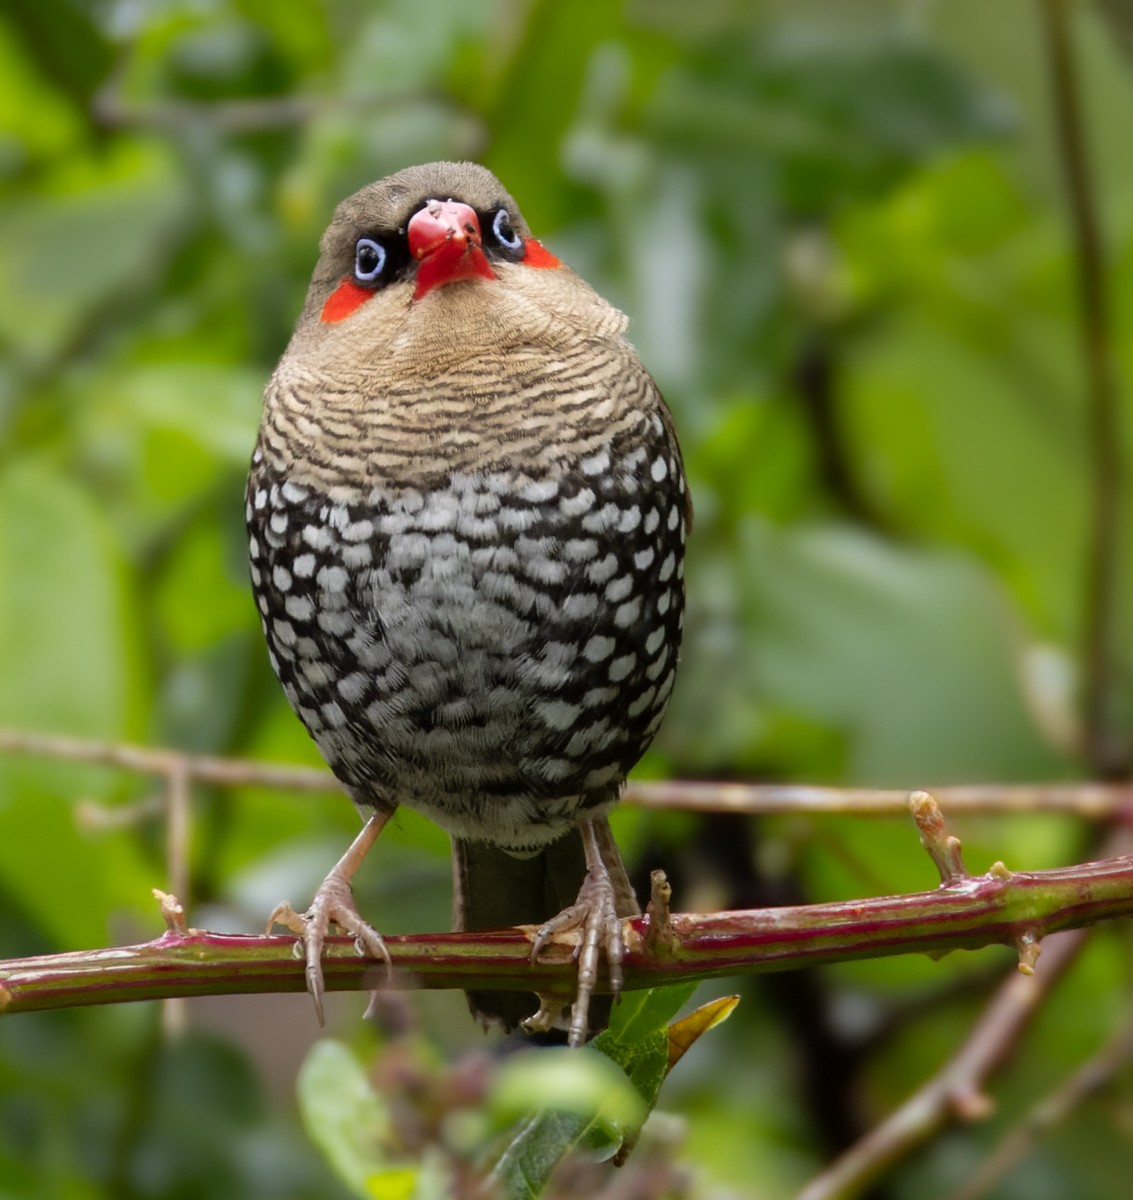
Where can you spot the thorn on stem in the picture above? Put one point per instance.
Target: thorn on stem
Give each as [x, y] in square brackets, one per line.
[661, 940]
[1029, 949]
[172, 913]
[943, 848]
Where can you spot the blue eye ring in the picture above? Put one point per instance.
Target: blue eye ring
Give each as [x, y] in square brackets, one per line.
[503, 232]
[369, 260]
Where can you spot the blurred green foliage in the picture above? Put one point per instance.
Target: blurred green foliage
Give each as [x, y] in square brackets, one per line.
[840, 231]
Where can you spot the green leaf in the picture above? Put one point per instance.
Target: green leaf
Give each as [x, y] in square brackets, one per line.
[219, 605]
[637, 1039]
[831, 611]
[37, 117]
[837, 113]
[63, 610]
[639, 1014]
[582, 1103]
[66, 252]
[69, 665]
[350, 1123]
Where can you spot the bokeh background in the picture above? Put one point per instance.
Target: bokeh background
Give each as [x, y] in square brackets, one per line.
[842, 233]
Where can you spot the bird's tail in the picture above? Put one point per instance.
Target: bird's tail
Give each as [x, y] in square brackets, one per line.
[495, 890]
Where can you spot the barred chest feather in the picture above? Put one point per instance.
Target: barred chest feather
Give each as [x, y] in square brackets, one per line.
[495, 651]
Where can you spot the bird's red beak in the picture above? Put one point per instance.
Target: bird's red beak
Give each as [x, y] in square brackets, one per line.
[444, 237]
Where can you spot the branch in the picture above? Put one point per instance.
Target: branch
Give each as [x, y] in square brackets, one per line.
[111, 108]
[1092, 1077]
[1107, 754]
[955, 1091]
[1096, 801]
[967, 913]
[167, 764]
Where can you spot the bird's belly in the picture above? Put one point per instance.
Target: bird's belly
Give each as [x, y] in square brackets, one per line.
[445, 725]
[496, 679]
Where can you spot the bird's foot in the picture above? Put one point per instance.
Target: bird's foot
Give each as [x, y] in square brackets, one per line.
[595, 913]
[333, 904]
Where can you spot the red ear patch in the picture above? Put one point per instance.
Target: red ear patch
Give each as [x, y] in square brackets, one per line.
[344, 300]
[537, 255]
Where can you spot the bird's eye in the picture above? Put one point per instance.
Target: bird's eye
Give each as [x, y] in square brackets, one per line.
[369, 260]
[503, 232]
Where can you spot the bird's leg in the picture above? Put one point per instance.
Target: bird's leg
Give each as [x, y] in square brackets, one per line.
[604, 898]
[333, 904]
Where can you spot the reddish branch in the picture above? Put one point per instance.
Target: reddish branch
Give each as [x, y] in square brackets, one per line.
[970, 912]
[966, 911]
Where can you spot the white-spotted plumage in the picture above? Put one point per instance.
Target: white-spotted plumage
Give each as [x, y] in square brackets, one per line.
[464, 607]
[466, 515]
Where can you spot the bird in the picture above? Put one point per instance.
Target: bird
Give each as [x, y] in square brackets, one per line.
[467, 512]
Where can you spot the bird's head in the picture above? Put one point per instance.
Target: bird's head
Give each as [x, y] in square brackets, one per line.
[434, 263]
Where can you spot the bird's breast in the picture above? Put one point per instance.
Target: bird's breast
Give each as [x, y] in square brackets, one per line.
[520, 410]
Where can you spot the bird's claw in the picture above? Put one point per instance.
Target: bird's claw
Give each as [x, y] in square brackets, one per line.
[333, 904]
[595, 913]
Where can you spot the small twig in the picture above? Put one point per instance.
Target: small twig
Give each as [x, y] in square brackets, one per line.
[1095, 801]
[173, 913]
[164, 763]
[957, 1090]
[1088, 1080]
[660, 940]
[943, 847]
[1106, 747]
[112, 110]
[92, 816]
